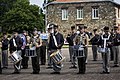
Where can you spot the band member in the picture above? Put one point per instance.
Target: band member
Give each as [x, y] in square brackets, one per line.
[70, 39]
[81, 39]
[111, 48]
[94, 41]
[116, 47]
[25, 59]
[0, 60]
[5, 43]
[43, 48]
[15, 45]
[105, 42]
[87, 32]
[48, 52]
[88, 35]
[0, 66]
[56, 42]
[37, 42]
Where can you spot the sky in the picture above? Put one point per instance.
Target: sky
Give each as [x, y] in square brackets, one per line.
[40, 2]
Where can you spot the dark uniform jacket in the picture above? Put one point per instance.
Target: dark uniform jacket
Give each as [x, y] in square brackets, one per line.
[18, 42]
[95, 39]
[108, 42]
[59, 39]
[70, 39]
[5, 43]
[116, 39]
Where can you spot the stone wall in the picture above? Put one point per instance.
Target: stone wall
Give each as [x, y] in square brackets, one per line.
[107, 13]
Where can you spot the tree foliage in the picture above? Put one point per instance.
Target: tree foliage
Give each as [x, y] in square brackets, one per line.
[21, 16]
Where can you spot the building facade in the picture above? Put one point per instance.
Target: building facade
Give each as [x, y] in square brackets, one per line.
[91, 13]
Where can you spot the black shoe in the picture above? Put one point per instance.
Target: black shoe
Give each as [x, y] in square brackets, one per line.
[4, 67]
[0, 72]
[55, 73]
[16, 73]
[24, 68]
[49, 67]
[94, 60]
[35, 73]
[81, 73]
[105, 72]
[42, 63]
[72, 67]
[70, 61]
[116, 66]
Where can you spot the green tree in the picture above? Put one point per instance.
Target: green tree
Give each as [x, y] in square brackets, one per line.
[22, 16]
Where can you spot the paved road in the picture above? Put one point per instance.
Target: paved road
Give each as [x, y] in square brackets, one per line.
[93, 71]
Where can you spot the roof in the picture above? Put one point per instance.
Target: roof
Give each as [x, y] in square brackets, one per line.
[67, 0]
[79, 1]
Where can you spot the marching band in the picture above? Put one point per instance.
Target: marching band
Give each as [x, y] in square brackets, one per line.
[26, 46]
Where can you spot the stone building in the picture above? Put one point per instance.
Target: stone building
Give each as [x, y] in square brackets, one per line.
[91, 13]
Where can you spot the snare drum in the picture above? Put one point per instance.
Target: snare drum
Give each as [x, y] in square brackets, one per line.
[79, 52]
[15, 57]
[30, 53]
[103, 50]
[57, 57]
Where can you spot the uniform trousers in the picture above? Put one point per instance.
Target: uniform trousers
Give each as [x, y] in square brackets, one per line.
[94, 50]
[5, 58]
[24, 60]
[106, 61]
[35, 61]
[116, 54]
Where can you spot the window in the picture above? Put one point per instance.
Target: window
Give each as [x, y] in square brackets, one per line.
[118, 13]
[64, 14]
[95, 13]
[80, 13]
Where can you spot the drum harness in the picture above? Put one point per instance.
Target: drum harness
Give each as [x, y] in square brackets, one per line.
[105, 42]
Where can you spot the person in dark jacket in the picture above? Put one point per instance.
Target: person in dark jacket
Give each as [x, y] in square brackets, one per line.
[0, 62]
[56, 45]
[5, 43]
[15, 45]
[70, 39]
[25, 59]
[94, 41]
[116, 47]
[105, 42]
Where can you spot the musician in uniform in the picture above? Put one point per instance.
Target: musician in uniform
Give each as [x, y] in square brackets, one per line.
[15, 45]
[0, 66]
[111, 48]
[0, 59]
[82, 39]
[25, 59]
[105, 42]
[55, 43]
[36, 40]
[50, 26]
[43, 48]
[116, 47]
[94, 41]
[70, 39]
[5, 43]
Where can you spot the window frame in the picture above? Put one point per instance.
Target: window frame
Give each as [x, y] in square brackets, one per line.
[64, 14]
[80, 13]
[95, 12]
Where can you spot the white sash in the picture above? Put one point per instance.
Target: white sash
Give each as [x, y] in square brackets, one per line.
[55, 41]
[14, 43]
[105, 39]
